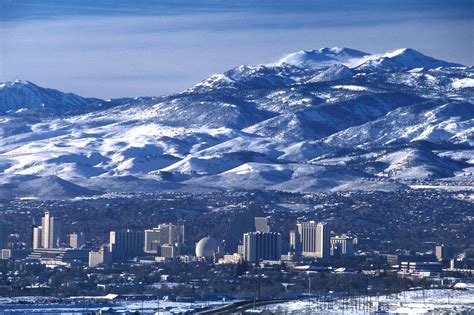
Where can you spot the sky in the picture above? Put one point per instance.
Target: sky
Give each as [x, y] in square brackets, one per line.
[117, 48]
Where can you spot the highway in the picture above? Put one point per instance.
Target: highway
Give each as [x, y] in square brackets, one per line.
[243, 305]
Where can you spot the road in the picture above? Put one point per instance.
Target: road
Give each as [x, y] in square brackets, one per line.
[240, 306]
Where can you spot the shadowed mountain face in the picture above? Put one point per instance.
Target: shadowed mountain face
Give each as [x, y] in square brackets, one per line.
[333, 119]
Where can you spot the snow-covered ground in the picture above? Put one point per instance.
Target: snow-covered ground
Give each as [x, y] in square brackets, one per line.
[79, 305]
[434, 301]
[388, 120]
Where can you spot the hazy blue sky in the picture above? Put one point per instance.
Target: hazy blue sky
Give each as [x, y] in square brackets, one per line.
[131, 48]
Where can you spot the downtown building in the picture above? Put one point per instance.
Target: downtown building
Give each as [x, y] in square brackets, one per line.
[240, 222]
[3, 235]
[342, 246]
[76, 240]
[126, 243]
[258, 246]
[163, 234]
[102, 257]
[48, 234]
[37, 237]
[51, 231]
[444, 252]
[313, 238]
[264, 224]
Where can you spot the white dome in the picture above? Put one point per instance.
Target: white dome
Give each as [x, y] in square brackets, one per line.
[206, 247]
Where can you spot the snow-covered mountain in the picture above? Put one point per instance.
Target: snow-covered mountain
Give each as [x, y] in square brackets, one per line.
[25, 98]
[333, 119]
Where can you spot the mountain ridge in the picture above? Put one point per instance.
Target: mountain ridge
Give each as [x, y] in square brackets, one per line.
[321, 121]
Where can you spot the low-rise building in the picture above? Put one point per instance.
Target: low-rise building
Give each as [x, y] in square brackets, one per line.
[421, 266]
[444, 252]
[101, 257]
[169, 251]
[7, 253]
[62, 255]
[234, 258]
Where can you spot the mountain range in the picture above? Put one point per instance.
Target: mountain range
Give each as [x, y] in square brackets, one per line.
[333, 119]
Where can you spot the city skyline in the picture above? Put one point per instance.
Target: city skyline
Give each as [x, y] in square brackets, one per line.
[236, 157]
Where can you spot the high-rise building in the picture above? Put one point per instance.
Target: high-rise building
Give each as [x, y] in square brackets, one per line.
[241, 222]
[342, 246]
[76, 240]
[314, 238]
[37, 237]
[444, 252]
[3, 234]
[261, 246]
[152, 240]
[126, 243]
[163, 234]
[295, 243]
[51, 231]
[263, 224]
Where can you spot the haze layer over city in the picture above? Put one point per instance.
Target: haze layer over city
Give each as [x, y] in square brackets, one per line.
[215, 157]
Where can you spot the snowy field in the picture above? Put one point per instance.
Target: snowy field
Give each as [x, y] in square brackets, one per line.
[43, 305]
[435, 301]
[445, 301]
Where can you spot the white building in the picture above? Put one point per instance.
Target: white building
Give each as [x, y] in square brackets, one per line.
[51, 231]
[314, 239]
[163, 234]
[38, 237]
[101, 257]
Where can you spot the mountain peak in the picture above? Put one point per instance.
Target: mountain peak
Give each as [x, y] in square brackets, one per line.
[404, 58]
[14, 83]
[323, 57]
[342, 51]
[20, 96]
[402, 51]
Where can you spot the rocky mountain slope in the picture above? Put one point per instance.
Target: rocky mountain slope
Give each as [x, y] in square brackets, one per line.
[333, 119]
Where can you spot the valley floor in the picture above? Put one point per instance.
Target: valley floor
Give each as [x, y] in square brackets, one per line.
[446, 301]
[435, 301]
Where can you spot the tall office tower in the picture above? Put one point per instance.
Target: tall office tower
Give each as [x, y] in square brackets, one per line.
[295, 243]
[37, 237]
[163, 234]
[152, 240]
[314, 237]
[261, 246]
[76, 240]
[51, 231]
[126, 243]
[443, 252]
[240, 222]
[342, 246]
[323, 245]
[171, 234]
[263, 224]
[3, 234]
